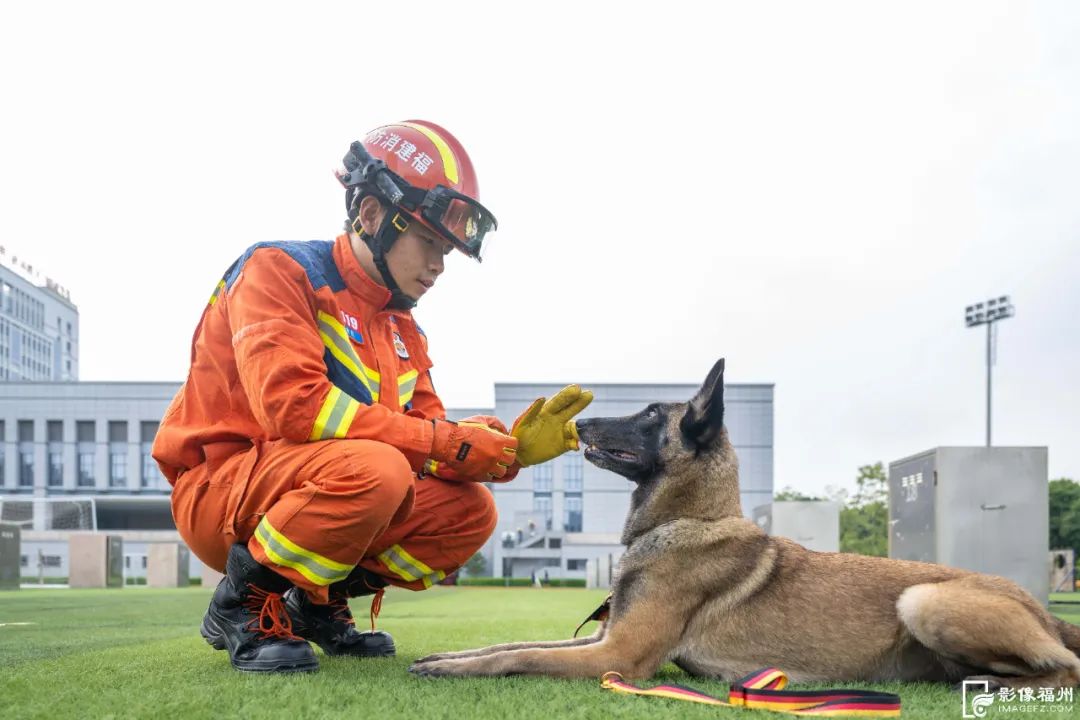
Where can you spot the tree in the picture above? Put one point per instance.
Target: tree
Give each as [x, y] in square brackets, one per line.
[864, 523]
[791, 494]
[476, 565]
[1064, 514]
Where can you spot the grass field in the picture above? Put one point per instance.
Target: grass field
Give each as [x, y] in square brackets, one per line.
[136, 653]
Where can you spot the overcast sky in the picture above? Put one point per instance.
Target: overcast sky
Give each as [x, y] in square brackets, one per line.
[812, 190]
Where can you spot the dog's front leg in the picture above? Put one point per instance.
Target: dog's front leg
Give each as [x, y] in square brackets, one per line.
[634, 645]
[504, 647]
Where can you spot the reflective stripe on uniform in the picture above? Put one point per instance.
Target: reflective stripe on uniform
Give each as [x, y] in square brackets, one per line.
[336, 340]
[282, 551]
[409, 568]
[217, 291]
[336, 415]
[407, 386]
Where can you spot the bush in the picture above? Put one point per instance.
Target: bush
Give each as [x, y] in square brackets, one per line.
[519, 582]
[495, 581]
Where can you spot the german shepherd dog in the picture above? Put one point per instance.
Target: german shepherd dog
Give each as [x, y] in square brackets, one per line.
[704, 587]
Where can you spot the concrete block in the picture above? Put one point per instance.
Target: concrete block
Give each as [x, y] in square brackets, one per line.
[167, 565]
[210, 577]
[10, 561]
[96, 560]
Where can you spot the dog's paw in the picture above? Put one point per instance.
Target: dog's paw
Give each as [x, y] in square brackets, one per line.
[432, 668]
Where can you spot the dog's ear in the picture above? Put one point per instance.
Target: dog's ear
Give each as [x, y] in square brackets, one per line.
[704, 416]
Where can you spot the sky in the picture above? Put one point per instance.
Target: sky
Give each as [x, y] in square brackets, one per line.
[814, 191]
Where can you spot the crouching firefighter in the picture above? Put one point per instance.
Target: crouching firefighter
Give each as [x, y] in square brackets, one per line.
[310, 457]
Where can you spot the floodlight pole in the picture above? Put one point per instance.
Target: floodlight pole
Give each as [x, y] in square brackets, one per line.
[989, 355]
[987, 313]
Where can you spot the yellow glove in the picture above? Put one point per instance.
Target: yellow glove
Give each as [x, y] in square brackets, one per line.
[546, 430]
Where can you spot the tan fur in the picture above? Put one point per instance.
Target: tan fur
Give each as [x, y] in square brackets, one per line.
[703, 587]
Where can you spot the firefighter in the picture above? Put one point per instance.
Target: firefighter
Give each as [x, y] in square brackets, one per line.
[310, 456]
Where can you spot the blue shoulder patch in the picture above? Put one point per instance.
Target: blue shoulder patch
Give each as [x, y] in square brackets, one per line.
[315, 256]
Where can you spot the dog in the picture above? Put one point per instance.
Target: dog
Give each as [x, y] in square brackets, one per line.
[707, 589]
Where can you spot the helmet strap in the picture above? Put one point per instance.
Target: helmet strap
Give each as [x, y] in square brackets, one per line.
[393, 224]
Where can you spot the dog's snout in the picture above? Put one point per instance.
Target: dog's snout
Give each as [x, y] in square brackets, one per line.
[583, 427]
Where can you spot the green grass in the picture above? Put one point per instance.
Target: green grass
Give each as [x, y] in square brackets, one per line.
[136, 653]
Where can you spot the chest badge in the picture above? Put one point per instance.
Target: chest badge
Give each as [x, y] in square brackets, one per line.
[399, 346]
[352, 328]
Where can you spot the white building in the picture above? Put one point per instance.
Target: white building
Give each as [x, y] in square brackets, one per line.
[39, 325]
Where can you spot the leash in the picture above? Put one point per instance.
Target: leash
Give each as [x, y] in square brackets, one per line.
[762, 690]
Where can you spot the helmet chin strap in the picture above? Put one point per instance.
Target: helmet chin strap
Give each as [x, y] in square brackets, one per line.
[393, 224]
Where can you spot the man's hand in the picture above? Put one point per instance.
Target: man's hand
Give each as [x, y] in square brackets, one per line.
[473, 449]
[546, 430]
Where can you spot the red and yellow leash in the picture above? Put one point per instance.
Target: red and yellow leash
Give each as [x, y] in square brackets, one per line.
[763, 690]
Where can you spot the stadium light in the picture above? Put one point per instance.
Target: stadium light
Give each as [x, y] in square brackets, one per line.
[987, 313]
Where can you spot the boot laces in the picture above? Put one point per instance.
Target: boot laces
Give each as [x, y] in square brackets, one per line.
[376, 606]
[271, 619]
[339, 611]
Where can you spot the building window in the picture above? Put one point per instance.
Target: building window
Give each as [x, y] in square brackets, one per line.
[572, 521]
[26, 453]
[573, 471]
[575, 564]
[542, 507]
[85, 433]
[56, 468]
[55, 435]
[118, 448]
[3, 445]
[117, 469]
[542, 475]
[149, 472]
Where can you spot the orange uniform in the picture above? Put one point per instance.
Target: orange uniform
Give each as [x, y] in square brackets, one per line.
[304, 427]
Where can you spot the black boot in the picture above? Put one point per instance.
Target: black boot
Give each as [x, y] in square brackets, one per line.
[332, 627]
[247, 617]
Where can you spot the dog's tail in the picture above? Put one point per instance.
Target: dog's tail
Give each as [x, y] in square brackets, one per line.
[1070, 636]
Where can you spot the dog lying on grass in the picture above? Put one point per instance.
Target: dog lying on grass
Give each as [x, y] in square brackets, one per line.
[705, 588]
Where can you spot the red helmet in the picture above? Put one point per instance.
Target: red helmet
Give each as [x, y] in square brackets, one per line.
[421, 169]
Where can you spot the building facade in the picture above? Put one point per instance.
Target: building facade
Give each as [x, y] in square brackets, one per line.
[76, 456]
[39, 325]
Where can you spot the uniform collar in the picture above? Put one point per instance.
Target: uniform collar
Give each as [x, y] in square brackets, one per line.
[354, 276]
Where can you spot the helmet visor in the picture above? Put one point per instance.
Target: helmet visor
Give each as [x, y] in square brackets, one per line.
[459, 218]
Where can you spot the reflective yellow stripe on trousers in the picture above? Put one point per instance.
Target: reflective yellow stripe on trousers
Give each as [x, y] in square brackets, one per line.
[408, 568]
[282, 551]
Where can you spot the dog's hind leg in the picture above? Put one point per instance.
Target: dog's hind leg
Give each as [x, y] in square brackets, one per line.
[541, 644]
[988, 624]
